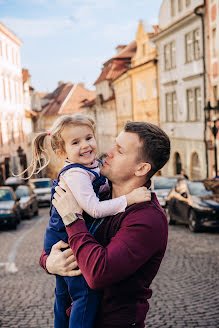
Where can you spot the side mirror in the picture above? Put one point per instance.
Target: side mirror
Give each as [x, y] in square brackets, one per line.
[184, 194]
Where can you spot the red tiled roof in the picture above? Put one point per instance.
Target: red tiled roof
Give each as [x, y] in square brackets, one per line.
[67, 99]
[118, 64]
[77, 99]
[57, 97]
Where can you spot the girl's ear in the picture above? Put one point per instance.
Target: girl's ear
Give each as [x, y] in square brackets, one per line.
[60, 153]
[143, 169]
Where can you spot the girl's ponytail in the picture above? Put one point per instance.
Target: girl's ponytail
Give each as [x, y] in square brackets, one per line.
[40, 155]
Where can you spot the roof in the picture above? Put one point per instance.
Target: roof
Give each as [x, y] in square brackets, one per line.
[25, 74]
[10, 34]
[67, 99]
[118, 64]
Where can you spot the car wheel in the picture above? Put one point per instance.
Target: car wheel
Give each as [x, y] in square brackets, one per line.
[169, 217]
[194, 225]
[13, 225]
[36, 212]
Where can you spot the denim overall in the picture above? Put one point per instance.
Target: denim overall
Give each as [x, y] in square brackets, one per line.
[72, 290]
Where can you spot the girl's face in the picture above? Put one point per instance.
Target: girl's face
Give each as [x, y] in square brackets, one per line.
[80, 144]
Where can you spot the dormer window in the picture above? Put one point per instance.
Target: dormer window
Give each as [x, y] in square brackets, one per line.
[173, 8]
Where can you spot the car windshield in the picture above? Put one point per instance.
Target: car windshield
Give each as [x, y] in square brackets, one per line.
[164, 183]
[5, 195]
[22, 192]
[42, 184]
[198, 189]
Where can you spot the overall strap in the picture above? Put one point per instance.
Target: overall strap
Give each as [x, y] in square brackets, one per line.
[70, 166]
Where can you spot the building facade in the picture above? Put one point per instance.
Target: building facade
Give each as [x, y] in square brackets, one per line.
[143, 75]
[13, 141]
[109, 117]
[212, 68]
[182, 86]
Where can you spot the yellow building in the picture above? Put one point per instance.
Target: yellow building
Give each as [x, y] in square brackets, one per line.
[143, 74]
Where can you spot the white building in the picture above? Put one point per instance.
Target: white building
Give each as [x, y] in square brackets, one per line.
[181, 85]
[12, 130]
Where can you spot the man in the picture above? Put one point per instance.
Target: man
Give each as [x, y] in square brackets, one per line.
[125, 255]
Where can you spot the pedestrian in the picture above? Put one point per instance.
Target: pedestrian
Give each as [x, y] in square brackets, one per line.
[126, 253]
[183, 173]
[72, 139]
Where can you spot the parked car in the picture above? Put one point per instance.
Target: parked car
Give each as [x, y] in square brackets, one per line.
[28, 201]
[9, 207]
[14, 182]
[162, 186]
[191, 203]
[42, 188]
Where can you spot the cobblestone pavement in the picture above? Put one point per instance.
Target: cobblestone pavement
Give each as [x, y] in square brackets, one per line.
[185, 291]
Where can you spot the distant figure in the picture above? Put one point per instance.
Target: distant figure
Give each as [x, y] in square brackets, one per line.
[184, 174]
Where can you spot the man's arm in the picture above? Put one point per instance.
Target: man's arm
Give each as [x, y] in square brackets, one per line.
[138, 239]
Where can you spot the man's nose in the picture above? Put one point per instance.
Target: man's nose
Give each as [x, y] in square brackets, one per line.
[109, 153]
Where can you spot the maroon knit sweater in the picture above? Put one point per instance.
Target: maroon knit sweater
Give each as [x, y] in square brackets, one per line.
[122, 260]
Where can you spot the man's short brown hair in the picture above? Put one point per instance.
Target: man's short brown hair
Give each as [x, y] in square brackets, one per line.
[155, 144]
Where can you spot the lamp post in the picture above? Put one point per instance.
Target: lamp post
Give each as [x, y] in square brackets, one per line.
[214, 128]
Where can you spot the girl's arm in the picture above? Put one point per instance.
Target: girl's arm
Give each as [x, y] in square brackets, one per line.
[81, 186]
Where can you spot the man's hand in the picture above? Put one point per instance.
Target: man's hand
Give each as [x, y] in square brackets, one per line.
[64, 201]
[62, 263]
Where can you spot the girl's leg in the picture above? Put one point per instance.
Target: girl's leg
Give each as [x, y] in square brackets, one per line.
[85, 302]
[62, 302]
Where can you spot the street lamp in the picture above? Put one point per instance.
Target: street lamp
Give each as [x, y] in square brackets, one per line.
[214, 129]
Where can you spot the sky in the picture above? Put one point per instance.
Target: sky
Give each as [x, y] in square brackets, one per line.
[69, 40]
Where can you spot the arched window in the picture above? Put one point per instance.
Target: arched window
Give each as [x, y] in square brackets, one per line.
[195, 167]
[177, 163]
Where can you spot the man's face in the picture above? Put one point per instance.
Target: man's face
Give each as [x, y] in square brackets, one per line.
[121, 162]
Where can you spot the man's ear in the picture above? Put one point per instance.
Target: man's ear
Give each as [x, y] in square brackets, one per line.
[143, 169]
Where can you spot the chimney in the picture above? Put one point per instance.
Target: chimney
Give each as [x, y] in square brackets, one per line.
[120, 47]
[60, 83]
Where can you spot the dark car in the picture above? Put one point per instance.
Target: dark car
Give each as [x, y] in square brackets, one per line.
[191, 203]
[161, 186]
[28, 201]
[9, 207]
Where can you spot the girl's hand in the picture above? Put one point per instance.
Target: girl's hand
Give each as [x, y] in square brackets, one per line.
[138, 195]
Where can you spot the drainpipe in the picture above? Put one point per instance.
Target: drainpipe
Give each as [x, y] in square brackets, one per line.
[201, 14]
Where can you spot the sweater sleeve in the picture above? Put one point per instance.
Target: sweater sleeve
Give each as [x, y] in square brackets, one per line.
[138, 239]
[81, 187]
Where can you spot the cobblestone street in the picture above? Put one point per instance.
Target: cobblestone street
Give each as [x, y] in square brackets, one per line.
[185, 292]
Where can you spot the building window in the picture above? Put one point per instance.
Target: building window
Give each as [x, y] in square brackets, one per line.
[1, 138]
[215, 96]
[214, 47]
[143, 49]
[4, 89]
[154, 88]
[170, 55]
[141, 90]
[171, 106]
[188, 3]
[193, 46]
[194, 104]
[173, 8]
[180, 5]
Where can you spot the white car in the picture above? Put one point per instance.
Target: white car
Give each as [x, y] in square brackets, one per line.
[42, 188]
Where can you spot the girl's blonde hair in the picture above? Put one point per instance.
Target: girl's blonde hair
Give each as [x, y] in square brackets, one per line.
[40, 153]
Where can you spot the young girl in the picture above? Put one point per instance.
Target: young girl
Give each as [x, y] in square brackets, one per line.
[72, 138]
